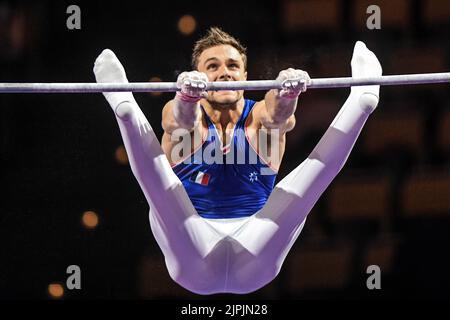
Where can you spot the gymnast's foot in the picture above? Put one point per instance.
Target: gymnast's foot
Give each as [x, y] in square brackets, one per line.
[108, 69]
[365, 64]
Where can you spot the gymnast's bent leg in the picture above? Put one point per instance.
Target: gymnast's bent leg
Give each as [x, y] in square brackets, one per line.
[183, 236]
[268, 235]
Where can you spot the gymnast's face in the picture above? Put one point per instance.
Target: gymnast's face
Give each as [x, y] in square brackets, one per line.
[223, 63]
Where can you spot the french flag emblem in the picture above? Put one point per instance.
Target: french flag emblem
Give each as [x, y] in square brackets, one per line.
[200, 178]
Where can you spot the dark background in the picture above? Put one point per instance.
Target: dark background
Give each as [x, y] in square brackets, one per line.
[389, 206]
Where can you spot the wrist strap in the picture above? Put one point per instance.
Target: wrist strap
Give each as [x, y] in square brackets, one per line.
[187, 98]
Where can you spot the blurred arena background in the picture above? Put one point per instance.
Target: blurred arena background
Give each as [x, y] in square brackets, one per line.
[69, 197]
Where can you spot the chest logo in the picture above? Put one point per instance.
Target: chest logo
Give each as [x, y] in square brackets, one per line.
[253, 176]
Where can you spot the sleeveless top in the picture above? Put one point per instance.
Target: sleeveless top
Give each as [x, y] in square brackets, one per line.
[226, 182]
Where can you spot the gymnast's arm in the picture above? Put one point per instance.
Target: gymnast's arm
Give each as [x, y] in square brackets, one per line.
[278, 107]
[178, 114]
[276, 112]
[182, 116]
[180, 120]
[184, 110]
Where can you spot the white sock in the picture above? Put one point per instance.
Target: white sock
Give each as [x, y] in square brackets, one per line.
[108, 69]
[365, 64]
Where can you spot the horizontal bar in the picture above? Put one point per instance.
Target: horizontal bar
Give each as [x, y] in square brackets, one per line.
[393, 80]
[318, 83]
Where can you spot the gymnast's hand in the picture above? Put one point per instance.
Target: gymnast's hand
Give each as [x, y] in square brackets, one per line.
[294, 82]
[192, 86]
